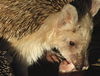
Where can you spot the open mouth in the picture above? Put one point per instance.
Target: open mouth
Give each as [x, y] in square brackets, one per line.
[64, 65]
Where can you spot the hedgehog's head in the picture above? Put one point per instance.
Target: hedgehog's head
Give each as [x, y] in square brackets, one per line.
[69, 38]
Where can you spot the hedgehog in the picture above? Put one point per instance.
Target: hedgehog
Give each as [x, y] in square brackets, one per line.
[33, 27]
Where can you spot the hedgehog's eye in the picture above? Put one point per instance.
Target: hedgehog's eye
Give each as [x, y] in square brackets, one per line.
[72, 43]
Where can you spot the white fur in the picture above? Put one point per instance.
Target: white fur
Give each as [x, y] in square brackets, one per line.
[31, 50]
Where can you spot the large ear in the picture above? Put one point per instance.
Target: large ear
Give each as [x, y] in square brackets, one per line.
[68, 15]
[95, 7]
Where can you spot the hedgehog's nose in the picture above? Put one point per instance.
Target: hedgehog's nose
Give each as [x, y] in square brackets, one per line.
[78, 67]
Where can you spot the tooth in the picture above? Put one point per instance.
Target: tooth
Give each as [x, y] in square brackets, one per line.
[85, 68]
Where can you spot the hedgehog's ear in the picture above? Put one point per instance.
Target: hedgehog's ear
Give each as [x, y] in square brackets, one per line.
[67, 16]
[95, 7]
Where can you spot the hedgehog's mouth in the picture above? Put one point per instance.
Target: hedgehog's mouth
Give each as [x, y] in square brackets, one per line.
[64, 64]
